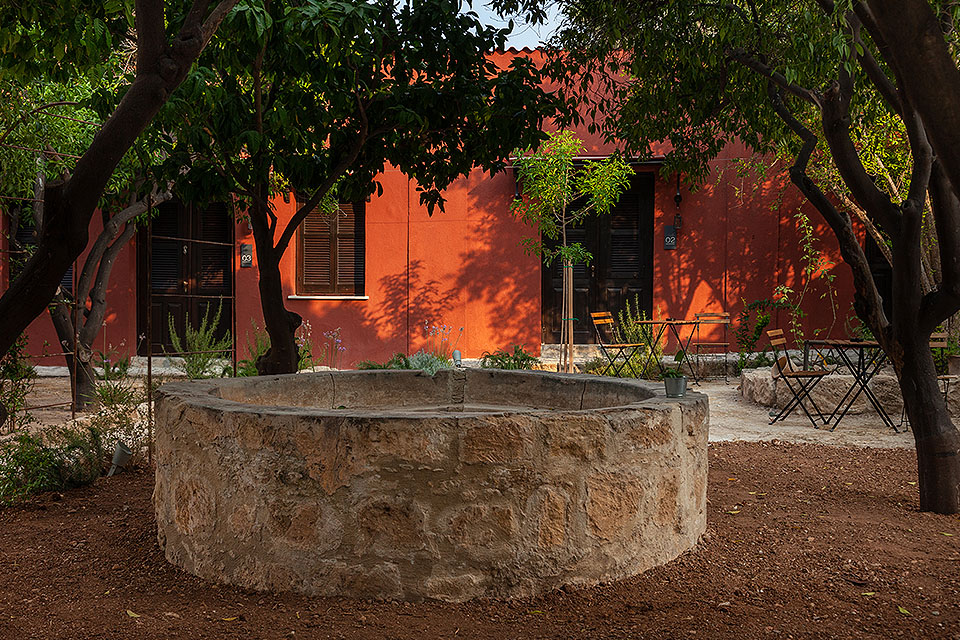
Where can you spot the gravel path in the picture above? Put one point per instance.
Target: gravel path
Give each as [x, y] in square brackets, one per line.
[734, 419]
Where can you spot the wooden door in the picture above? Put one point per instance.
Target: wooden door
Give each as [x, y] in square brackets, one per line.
[622, 265]
[190, 268]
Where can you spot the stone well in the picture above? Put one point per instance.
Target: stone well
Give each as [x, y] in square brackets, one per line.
[394, 484]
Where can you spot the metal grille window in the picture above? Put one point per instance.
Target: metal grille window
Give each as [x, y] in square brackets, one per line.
[330, 256]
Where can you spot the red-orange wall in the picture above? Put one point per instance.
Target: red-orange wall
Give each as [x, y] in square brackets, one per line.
[119, 334]
[463, 267]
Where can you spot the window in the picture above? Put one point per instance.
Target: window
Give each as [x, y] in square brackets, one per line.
[330, 256]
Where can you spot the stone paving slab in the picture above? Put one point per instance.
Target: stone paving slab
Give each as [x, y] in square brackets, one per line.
[733, 418]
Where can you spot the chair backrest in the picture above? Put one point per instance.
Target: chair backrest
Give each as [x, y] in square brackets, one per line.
[603, 323]
[779, 343]
[712, 318]
[938, 340]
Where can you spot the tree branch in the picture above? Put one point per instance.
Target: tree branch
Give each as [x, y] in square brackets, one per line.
[943, 302]
[151, 34]
[98, 303]
[109, 232]
[744, 58]
[339, 169]
[867, 300]
[836, 130]
[25, 115]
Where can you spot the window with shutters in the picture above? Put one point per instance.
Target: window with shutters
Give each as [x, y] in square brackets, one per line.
[330, 256]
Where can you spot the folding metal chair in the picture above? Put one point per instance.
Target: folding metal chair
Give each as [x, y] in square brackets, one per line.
[614, 351]
[722, 319]
[800, 382]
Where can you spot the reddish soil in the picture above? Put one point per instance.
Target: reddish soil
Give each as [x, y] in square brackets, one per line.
[802, 541]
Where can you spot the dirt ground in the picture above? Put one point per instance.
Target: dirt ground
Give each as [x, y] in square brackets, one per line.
[802, 541]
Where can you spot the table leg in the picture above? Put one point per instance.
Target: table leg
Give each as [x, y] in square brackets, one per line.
[862, 372]
[686, 351]
[652, 346]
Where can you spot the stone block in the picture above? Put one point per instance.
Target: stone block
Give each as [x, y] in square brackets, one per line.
[579, 435]
[497, 440]
[613, 501]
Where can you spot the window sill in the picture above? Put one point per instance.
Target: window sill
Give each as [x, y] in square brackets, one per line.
[296, 297]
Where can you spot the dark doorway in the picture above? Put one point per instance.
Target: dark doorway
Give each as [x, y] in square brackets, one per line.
[622, 266]
[190, 269]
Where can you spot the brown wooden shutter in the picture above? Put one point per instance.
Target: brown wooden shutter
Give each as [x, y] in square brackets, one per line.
[315, 261]
[331, 256]
[350, 249]
[214, 264]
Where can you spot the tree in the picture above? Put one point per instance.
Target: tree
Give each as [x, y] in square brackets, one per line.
[702, 74]
[56, 40]
[317, 96]
[558, 195]
[43, 126]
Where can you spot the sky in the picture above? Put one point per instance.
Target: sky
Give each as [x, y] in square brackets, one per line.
[524, 35]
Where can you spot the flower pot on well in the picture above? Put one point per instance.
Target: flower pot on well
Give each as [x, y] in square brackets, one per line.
[675, 387]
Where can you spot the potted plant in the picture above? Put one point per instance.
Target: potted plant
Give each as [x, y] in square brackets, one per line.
[674, 382]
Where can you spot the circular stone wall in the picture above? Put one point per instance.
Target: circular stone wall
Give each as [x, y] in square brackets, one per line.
[393, 484]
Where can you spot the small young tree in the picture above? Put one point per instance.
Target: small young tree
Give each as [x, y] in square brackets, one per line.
[557, 195]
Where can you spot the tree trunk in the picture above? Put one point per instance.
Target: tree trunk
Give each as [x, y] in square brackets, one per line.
[937, 440]
[81, 369]
[69, 205]
[568, 314]
[281, 324]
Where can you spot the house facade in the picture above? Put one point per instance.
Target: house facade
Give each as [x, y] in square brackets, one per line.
[385, 272]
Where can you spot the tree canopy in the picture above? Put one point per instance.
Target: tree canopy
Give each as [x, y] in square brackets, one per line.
[318, 96]
[791, 77]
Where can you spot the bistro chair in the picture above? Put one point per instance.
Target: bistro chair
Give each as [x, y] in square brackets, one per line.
[614, 351]
[800, 382]
[722, 319]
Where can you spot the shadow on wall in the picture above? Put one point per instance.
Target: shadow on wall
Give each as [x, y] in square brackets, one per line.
[739, 241]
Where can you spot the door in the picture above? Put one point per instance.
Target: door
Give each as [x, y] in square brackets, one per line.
[190, 269]
[622, 265]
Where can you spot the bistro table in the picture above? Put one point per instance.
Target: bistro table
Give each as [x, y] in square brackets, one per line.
[660, 327]
[863, 358]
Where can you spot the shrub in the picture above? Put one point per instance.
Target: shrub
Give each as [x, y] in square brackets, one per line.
[397, 361]
[200, 348]
[628, 331]
[121, 416]
[56, 459]
[502, 359]
[430, 363]
[258, 343]
[16, 380]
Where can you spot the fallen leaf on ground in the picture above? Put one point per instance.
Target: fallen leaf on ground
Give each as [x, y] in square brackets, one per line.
[230, 619]
[903, 611]
[946, 534]
[736, 511]
[869, 593]
[132, 614]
